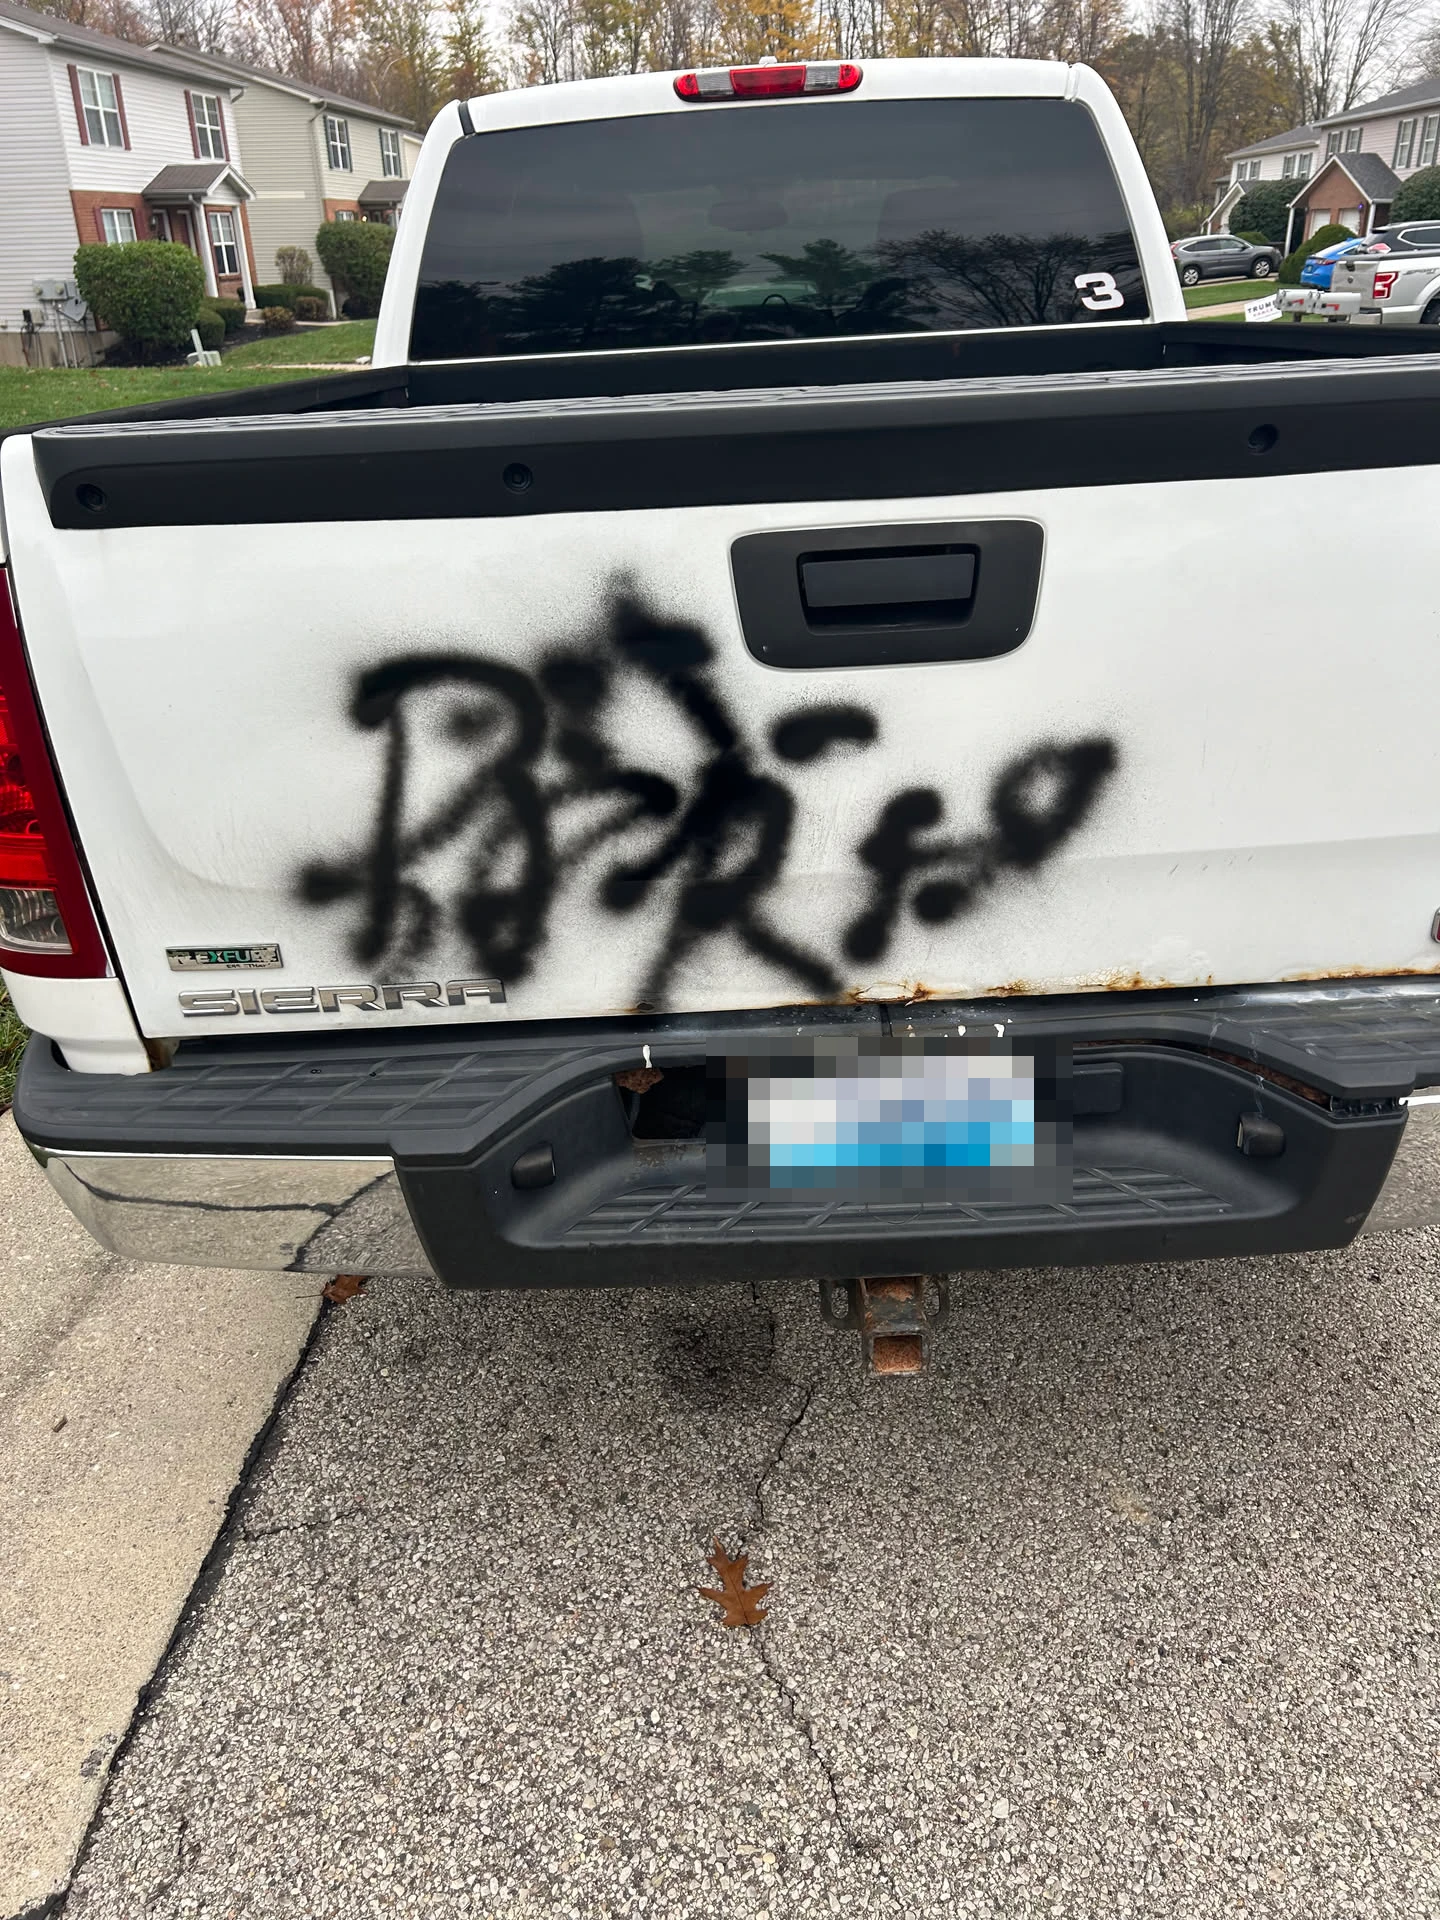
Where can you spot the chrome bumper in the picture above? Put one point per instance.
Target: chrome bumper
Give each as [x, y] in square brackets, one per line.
[293, 1215]
[310, 1215]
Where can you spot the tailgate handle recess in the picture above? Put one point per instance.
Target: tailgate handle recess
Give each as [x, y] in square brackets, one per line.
[905, 584]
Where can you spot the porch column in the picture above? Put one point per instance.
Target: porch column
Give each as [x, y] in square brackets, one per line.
[242, 249]
[202, 240]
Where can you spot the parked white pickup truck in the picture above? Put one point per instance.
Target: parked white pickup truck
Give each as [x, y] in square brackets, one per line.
[786, 592]
[1397, 289]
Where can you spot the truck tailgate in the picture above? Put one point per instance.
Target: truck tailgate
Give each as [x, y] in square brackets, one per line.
[411, 718]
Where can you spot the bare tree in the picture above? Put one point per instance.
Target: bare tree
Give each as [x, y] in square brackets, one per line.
[1204, 39]
[207, 25]
[1341, 49]
[545, 41]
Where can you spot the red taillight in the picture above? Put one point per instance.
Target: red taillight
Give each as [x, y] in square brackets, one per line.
[46, 923]
[762, 83]
[770, 82]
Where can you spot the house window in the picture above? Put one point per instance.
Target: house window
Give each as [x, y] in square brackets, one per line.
[1332, 143]
[1428, 134]
[1302, 170]
[100, 105]
[1352, 139]
[345, 213]
[337, 142]
[1287, 171]
[118, 225]
[389, 153]
[223, 244]
[1404, 143]
[209, 127]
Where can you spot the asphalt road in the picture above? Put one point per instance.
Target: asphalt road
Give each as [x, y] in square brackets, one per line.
[1129, 1608]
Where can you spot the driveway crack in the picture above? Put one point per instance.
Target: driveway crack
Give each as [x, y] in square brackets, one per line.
[777, 1455]
[856, 1844]
[318, 1525]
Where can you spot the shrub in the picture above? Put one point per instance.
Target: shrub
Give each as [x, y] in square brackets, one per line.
[307, 307]
[1265, 209]
[1289, 275]
[279, 295]
[1419, 198]
[211, 328]
[294, 266]
[355, 254]
[1257, 239]
[355, 308]
[277, 319]
[232, 312]
[149, 291]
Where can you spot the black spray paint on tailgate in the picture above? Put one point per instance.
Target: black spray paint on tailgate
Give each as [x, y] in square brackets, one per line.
[724, 829]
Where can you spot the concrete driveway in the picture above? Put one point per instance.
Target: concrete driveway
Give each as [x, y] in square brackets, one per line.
[1129, 1608]
[130, 1397]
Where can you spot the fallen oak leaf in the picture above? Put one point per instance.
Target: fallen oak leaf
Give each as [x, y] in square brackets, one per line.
[740, 1604]
[343, 1287]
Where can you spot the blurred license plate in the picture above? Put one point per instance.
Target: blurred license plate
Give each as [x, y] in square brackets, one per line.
[886, 1118]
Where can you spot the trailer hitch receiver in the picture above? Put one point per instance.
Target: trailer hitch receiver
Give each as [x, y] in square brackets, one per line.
[897, 1318]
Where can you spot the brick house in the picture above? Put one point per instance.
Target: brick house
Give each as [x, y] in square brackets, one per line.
[108, 142]
[1284, 156]
[1353, 162]
[1368, 152]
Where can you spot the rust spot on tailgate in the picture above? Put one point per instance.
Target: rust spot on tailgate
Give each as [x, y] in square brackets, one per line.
[1321, 975]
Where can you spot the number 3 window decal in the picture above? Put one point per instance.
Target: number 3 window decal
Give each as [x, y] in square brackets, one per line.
[1098, 292]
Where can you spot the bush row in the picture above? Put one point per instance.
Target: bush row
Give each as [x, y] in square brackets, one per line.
[152, 292]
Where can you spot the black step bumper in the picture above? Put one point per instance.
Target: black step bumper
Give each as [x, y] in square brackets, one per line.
[399, 1151]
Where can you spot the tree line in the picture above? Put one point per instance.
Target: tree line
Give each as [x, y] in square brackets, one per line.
[1195, 78]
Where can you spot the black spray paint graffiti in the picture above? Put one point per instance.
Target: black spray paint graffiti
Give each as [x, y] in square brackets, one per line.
[544, 786]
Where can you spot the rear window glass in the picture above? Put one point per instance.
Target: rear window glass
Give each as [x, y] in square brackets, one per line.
[801, 221]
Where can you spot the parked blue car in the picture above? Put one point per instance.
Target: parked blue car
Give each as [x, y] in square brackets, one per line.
[1318, 268]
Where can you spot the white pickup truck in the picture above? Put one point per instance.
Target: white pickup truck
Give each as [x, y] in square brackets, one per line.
[792, 588]
[1396, 289]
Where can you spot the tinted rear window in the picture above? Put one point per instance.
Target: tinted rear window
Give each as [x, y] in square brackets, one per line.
[801, 221]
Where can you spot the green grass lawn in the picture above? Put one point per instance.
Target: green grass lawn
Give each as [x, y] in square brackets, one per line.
[1219, 293]
[350, 340]
[56, 393]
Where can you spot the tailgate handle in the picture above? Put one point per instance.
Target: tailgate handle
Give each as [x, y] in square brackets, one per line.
[882, 585]
[888, 596]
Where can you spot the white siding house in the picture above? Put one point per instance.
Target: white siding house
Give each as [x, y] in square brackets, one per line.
[313, 156]
[105, 142]
[1284, 156]
[1354, 162]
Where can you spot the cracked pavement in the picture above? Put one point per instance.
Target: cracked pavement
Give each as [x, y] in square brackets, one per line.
[1128, 1607]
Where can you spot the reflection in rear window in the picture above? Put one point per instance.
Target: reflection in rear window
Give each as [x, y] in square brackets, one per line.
[803, 221]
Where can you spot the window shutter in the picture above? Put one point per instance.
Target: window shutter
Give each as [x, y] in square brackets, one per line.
[224, 136]
[120, 107]
[190, 116]
[79, 104]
